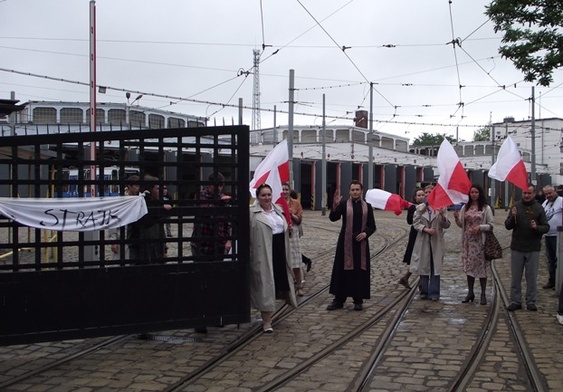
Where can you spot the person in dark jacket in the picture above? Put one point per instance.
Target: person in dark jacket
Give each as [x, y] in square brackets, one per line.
[528, 223]
[146, 237]
[351, 268]
[417, 198]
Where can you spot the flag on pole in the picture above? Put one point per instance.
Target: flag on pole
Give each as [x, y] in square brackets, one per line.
[387, 201]
[453, 184]
[274, 171]
[278, 157]
[509, 165]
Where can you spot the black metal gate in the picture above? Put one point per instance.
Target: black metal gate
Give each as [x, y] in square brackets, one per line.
[60, 285]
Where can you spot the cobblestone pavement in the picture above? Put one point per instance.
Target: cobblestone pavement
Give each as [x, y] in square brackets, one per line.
[428, 348]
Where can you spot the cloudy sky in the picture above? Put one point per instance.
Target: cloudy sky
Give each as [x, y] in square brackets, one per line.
[193, 57]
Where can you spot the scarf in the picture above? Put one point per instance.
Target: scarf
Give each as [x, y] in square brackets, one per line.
[349, 237]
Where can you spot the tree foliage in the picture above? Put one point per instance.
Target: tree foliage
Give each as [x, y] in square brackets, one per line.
[533, 38]
[483, 134]
[427, 139]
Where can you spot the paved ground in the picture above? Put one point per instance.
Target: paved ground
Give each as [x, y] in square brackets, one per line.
[428, 349]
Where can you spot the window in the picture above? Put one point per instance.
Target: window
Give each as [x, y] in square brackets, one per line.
[100, 116]
[156, 121]
[194, 124]
[71, 116]
[136, 118]
[174, 122]
[116, 117]
[45, 116]
[342, 135]
[309, 136]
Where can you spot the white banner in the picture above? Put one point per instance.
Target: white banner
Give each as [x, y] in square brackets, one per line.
[75, 214]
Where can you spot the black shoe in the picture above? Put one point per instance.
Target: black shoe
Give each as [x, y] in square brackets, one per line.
[307, 261]
[335, 305]
[405, 283]
[548, 285]
[200, 329]
[358, 307]
[469, 298]
[532, 307]
[423, 296]
[513, 307]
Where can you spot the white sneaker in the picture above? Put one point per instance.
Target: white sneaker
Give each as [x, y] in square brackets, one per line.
[560, 318]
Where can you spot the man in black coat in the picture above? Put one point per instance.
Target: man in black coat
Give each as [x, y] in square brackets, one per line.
[351, 268]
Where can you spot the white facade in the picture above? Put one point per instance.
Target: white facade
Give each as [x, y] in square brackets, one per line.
[41, 117]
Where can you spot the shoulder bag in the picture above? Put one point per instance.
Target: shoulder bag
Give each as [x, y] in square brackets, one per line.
[493, 250]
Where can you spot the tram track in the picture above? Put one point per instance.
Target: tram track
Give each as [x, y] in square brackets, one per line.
[284, 313]
[375, 330]
[56, 363]
[479, 351]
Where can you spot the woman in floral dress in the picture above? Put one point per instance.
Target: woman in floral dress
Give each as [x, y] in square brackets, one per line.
[474, 218]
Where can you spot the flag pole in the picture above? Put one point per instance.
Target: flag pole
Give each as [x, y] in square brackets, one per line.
[533, 132]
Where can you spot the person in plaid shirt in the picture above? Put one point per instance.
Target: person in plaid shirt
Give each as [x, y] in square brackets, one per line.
[216, 245]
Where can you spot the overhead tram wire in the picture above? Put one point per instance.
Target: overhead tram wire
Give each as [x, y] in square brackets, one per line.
[455, 41]
[344, 48]
[233, 95]
[204, 102]
[305, 32]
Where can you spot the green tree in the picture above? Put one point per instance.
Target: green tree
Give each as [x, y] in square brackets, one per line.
[533, 38]
[427, 139]
[483, 134]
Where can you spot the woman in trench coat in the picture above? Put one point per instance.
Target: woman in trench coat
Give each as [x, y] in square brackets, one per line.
[428, 254]
[270, 270]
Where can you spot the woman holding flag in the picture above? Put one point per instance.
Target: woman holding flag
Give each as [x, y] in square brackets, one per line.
[418, 197]
[270, 272]
[428, 254]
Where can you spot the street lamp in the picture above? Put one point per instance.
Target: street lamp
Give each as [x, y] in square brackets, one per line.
[127, 112]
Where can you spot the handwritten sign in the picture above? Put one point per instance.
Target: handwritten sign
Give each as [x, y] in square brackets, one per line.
[75, 214]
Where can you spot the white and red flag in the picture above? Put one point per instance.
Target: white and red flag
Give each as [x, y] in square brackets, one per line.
[388, 201]
[510, 166]
[453, 184]
[274, 171]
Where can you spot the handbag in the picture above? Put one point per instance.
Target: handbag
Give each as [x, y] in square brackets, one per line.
[492, 247]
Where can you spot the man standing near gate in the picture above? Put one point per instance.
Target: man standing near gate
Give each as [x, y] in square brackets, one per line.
[552, 206]
[211, 232]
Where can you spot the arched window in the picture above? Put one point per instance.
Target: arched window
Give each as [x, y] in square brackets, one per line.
[45, 116]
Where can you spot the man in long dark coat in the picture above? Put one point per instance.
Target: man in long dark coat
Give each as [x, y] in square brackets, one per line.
[351, 268]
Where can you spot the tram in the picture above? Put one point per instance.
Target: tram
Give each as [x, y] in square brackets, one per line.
[111, 173]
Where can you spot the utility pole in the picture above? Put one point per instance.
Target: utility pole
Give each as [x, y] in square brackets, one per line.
[533, 132]
[275, 126]
[370, 144]
[493, 189]
[90, 252]
[290, 125]
[240, 122]
[323, 163]
[256, 122]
